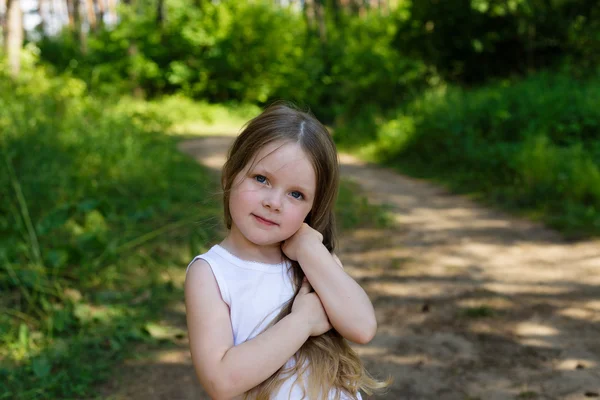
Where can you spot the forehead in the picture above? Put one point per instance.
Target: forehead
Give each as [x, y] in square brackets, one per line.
[287, 160]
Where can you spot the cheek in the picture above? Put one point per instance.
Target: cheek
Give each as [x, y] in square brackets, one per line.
[242, 198]
[299, 215]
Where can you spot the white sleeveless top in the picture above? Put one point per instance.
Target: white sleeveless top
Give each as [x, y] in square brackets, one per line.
[255, 293]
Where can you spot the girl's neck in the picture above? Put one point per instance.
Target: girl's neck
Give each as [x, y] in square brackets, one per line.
[239, 246]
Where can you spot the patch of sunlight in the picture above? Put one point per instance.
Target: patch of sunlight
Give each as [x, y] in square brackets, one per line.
[579, 313]
[164, 332]
[174, 356]
[416, 289]
[401, 199]
[215, 161]
[571, 364]
[592, 304]
[371, 351]
[460, 212]
[378, 255]
[348, 159]
[537, 335]
[451, 260]
[518, 288]
[537, 342]
[397, 218]
[168, 356]
[535, 329]
[497, 303]
[412, 360]
[489, 223]
[455, 219]
[361, 272]
[482, 249]
[201, 128]
[87, 313]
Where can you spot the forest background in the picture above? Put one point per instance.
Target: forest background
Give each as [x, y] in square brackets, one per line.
[495, 98]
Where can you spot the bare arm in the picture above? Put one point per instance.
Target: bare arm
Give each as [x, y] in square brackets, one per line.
[347, 305]
[225, 370]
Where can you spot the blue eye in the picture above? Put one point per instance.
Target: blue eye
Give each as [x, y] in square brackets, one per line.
[260, 178]
[297, 195]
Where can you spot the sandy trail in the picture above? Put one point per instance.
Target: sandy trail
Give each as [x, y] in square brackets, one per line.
[471, 303]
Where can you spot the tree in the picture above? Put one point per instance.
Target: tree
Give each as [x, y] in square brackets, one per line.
[14, 36]
[3, 22]
[91, 15]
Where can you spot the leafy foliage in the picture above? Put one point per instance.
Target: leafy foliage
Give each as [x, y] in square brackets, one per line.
[98, 205]
[249, 52]
[532, 145]
[471, 41]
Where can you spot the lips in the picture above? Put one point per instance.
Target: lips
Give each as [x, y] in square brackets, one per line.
[264, 220]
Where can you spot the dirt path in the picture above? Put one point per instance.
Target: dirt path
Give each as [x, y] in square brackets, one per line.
[471, 303]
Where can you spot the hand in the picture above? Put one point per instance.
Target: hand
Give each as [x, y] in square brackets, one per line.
[302, 237]
[308, 305]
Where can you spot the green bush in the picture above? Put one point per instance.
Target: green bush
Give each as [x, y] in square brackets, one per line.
[532, 144]
[246, 52]
[365, 70]
[231, 51]
[473, 41]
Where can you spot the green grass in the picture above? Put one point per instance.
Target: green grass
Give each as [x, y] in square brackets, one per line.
[528, 395]
[477, 312]
[99, 211]
[354, 210]
[193, 118]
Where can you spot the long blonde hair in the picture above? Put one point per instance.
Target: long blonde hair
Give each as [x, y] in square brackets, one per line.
[332, 362]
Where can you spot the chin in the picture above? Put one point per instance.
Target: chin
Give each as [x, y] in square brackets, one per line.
[260, 240]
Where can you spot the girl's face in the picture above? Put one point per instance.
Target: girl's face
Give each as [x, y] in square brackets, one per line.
[270, 200]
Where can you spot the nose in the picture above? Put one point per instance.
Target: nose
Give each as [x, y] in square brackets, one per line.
[272, 200]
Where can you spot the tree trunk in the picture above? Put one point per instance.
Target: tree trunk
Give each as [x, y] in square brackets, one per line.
[112, 11]
[100, 10]
[71, 13]
[309, 12]
[54, 12]
[160, 13]
[43, 13]
[335, 7]
[132, 51]
[320, 14]
[3, 23]
[79, 20]
[14, 36]
[91, 15]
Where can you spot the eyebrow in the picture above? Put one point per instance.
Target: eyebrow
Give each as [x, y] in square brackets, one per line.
[263, 170]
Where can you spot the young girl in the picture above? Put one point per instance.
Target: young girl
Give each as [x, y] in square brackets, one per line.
[257, 329]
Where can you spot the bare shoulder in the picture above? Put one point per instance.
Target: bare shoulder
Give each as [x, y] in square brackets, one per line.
[201, 285]
[199, 274]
